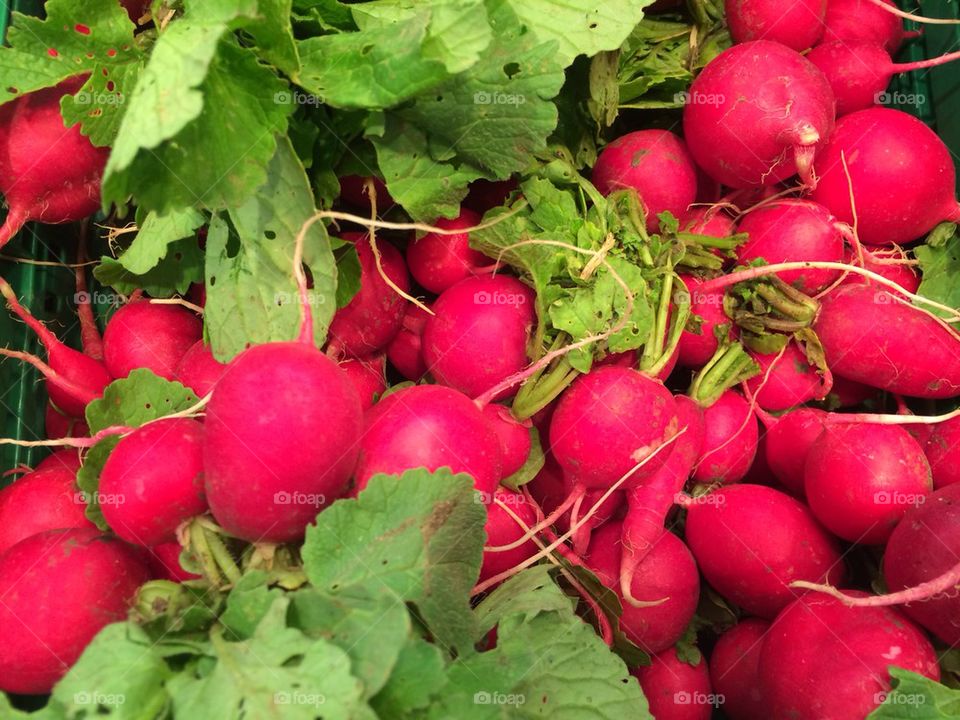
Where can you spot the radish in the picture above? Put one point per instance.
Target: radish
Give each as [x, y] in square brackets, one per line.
[198, 369]
[860, 479]
[699, 342]
[666, 582]
[487, 194]
[48, 173]
[58, 589]
[924, 546]
[353, 191]
[368, 377]
[514, 437]
[788, 440]
[786, 380]
[711, 221]
[404, 351]
[849, 393]
[859, 72]
[897, 199]
[502, 529]
[868, 335]
[153, 481]
[862, 21]
[729, 440]
[548, 488]
[821, 659]
[676, 689]
[67, 458]
[790, 230]
[371, 319]
[429, 426]
[479, 333]
[60, 425]
[756, 115]
[86, 377]
[735, 669]
[612, 508]
[655, 163]
[45, 499]
[942, 448]
[750, 542]
[165, 563]
[142, 334]
[439, 262]
[889, 263]
[797, 24]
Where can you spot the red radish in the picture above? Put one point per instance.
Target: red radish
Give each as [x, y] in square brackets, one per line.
[514, 437]
[676, 689]
[45, 499]
[439, 262]
[788, 441]
[368, 377]
[153, 481]
[548, 488]
[148, 335]
[751, 542]
[889, 263]
[583, 525]
[862, 21]
[478, 336]
[49, 173]
[942, 448]
[607, 422]
[667, 573]
[404, 351]
[58, 590]
[711, 221]
[371, 319]
[486, 194]
[89, 375]
[897, 198]
[354, 192]
[199, 370]
[65, 458]
[699, 342]
[501, 529]
[429, 426]
[797, 24]
[59, 425]
[791, 230]
[861, 478]
[756, 115]
[924, 546]
[165, 563]
[657, 165]
[649, 503]
[786, 380]
[849, 393]
[729, 440]
[869, 336]
[281, 440]
[735, 669]
[821, 659]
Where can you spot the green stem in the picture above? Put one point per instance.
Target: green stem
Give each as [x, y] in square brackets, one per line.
[708, 241]
[730, 365]
[788, 301]
[204, 555]
[653, 349]
[534, 396]
[678, 325]
[222, 556]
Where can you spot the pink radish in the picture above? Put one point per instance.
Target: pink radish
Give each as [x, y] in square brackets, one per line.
[368, 376]
[478, 335]
[699, 342]
[429, 426]
[850, 393]
[64, 458]
[60, 425]
[757, 114]
[86, 377]
[862, 21]
[869, 336]
[48, 173]
[711, 221]
[889, 263]
[501, 529]
[797, 24]
[199, 370]
[657, 165]
[142, 334]
[791, 230]
[583, 525]
[153, 481]
[404, 351]
[676, 689]
[354, 192]
[371, 319]
[861, 478]
[165, 563]
[58, 590]
[942, 448]
[729, 440]
[45, 499]
[837, 658]
[514, 437]
[439, 262]
[788, 441]
[751, 542]
[786, 380]
[735, 669]
[896, 198]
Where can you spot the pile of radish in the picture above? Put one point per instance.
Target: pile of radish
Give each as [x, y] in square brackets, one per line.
[703, 380]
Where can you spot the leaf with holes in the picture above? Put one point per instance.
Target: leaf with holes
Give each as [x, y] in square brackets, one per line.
[181, 266]
[136, 399]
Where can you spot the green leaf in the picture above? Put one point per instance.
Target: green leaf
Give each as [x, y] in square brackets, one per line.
[418, 675]
[251, 293]
[181, 266]
[273, 35]
[100, 104]
[528, 593]
[915, 697]
[417, 537]
[88, 480]
[278, 666]
[118, 677]
[136, 399]
[534, 463]
[155, 235]
[939, 260]
[247, 604]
